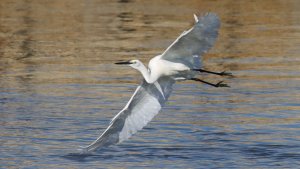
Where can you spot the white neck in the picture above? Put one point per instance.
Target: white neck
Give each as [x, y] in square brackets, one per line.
[150, 78]
[146, 74]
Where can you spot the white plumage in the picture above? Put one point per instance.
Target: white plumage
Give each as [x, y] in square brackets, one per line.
[176, 63]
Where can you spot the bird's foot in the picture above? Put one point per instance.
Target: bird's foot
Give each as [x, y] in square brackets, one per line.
[221, 84]
[224, 73]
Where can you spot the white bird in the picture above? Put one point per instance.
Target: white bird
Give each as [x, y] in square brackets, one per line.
[180, 61]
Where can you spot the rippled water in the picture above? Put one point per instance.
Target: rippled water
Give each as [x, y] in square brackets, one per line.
[59, 87]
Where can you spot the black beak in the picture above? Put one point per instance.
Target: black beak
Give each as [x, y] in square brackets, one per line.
[123, 63]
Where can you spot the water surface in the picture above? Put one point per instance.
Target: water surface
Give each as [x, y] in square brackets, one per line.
[59, 87]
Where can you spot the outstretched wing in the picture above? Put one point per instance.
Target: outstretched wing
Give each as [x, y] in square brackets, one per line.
[191, 44]
[145, 103]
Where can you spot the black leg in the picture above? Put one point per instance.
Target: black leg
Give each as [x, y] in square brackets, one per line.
[216, 73]
[220, 84]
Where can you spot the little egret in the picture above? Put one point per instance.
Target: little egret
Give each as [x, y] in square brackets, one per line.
[180, 61]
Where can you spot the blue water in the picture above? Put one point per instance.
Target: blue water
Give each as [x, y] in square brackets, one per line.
[59, 87]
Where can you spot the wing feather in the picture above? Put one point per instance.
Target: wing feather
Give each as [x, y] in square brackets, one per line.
[196, 41]
[145, 103]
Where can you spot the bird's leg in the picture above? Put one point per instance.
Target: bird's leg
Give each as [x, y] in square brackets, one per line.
[219, 84]
[216, 73]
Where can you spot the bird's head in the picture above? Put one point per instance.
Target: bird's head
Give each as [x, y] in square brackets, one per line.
[133, 63]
